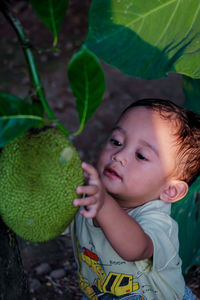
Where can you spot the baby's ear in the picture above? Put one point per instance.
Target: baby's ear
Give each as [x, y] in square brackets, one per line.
[174, 191]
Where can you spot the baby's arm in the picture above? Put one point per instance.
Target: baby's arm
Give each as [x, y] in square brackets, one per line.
[124, 234]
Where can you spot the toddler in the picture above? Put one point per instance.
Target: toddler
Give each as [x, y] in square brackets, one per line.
[125, 242]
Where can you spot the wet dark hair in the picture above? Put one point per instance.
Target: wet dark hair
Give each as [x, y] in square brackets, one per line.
[187, 125]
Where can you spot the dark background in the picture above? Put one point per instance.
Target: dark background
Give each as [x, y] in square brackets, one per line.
[121, 90]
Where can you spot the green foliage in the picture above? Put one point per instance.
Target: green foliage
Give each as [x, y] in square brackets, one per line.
[187, 214]
[191, 88]
[16, 117]
[52, 13]
[87, 82]
[146, 39]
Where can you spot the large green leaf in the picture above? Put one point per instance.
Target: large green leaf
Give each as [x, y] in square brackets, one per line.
[191, 88]
[147, 39]
[187, 213]
[16, 117]
[52, 13]
[86, 78]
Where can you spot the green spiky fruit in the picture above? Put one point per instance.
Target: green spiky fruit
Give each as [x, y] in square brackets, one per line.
[39, 173]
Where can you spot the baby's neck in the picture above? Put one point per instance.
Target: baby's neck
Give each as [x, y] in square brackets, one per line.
[126, 209]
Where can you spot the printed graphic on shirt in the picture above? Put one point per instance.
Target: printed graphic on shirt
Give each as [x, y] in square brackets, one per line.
[111, 286]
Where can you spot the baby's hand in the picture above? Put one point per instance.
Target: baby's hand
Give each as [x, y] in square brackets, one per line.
[94, 191]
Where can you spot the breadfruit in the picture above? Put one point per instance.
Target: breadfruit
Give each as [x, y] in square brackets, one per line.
[39, 173]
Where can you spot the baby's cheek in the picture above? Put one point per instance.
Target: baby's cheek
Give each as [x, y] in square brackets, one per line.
[100, 165]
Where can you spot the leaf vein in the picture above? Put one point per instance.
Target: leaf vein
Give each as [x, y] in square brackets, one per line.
[136, 20]
[168, 24]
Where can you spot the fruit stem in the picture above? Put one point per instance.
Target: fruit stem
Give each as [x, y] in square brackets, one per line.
[34, 75]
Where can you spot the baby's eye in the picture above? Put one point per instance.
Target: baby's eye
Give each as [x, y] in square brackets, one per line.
[115, 142]
[140, 156]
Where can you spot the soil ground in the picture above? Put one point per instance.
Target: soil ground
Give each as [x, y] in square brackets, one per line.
[121, 90]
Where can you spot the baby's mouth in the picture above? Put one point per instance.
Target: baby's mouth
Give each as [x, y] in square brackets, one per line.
[110, 172]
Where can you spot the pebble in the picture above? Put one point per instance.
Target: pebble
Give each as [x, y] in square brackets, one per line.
[43, 269]
[58, 273]
[34, 285]
[67, 267]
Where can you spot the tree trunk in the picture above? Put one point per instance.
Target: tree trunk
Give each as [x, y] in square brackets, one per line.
[13, 282]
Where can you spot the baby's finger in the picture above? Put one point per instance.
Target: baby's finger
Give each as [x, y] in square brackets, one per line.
[89, 213]
[87, 189]
[92, 172]
[87, 201]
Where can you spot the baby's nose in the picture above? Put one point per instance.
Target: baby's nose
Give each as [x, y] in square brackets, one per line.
[119, 157]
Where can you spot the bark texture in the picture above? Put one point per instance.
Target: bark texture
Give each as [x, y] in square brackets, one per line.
[13, 282]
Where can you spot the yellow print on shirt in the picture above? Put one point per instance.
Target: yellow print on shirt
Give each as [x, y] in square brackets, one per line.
[114, 283]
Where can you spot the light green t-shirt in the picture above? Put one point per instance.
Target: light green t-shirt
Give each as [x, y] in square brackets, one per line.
[102, 272]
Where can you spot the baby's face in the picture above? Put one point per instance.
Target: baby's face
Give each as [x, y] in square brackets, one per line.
[139, 157]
